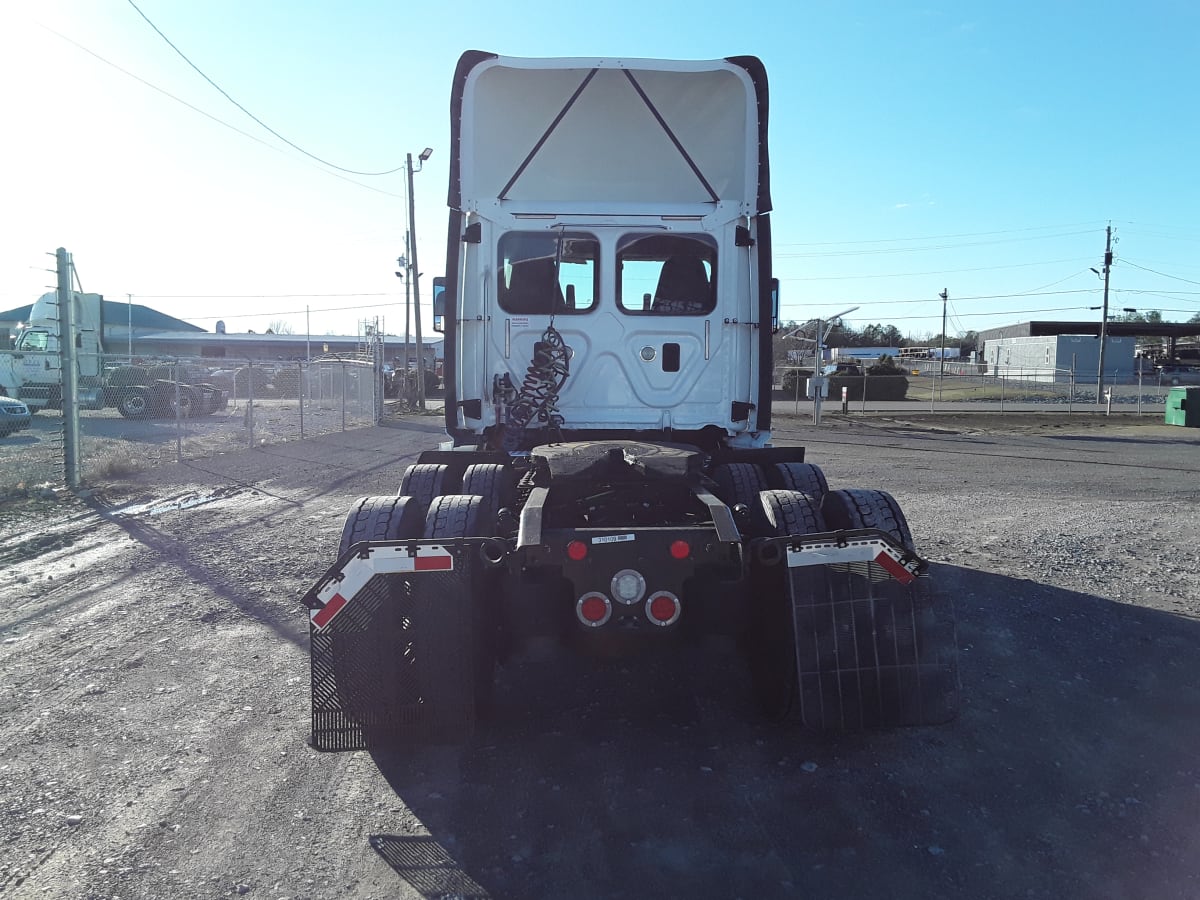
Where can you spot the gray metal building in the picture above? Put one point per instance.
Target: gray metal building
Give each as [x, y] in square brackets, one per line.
[1053, 358]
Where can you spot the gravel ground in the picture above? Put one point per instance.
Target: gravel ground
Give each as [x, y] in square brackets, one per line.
[154, 700]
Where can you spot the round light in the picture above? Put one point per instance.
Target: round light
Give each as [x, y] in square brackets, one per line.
[647, 353]
[663, 608]
[577, 550]
[680, 549]
[628, 586]
[593, 610]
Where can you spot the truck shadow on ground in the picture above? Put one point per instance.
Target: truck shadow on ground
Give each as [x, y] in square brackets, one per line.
[1071, 772]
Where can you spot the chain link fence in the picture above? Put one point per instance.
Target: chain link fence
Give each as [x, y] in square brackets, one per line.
[143, 413]
[965, 386]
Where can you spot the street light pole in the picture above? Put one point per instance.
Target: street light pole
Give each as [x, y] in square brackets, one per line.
[1104, 314]
[945, 295]
[415, 276]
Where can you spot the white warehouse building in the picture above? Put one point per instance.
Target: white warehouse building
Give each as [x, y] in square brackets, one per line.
[1052, 358]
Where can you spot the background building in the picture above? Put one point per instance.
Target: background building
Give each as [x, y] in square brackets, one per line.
[131, 329]
[123, 323]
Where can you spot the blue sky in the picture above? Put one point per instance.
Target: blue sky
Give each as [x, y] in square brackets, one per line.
[976, 147]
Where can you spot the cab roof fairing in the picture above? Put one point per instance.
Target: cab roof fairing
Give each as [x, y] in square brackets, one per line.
[599, 135]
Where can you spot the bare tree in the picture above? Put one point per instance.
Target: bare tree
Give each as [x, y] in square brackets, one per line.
[281, 326]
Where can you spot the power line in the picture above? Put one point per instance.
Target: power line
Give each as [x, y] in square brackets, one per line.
[1138, 227]
[1009, 312]
[1156, 272]
[298, 312]
[197, 109]
[976, 297]
[934, 247]
[254, 296]
[1049, 262]
[937, 237]
[183, 56]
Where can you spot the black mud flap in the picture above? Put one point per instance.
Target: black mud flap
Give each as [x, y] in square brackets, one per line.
[399, 644]
[875, 645]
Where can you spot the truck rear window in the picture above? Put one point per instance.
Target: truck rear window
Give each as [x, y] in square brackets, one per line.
[667, 274]
[526, 283]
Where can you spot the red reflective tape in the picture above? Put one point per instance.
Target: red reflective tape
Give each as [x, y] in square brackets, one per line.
[329, 610]
[894, 568]
[433, 563]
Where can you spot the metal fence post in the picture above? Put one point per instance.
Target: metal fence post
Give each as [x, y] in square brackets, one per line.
[1071, 396]
[178, 413]
[377, 393]
[343, 395]
[250, 400]
[301, 377]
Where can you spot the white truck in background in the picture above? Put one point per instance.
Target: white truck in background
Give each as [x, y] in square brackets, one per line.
[32, 371]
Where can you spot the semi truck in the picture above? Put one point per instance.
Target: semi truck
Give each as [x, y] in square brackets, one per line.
[32, 372]
[608, 478]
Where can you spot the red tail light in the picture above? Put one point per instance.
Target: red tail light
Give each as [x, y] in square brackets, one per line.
[593, 609]
[663, 608]
[680, 549]
[577, 550]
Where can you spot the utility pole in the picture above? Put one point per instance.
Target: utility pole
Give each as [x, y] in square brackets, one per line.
[1104, 314]
[415, 279]
[407, 275]
[69, 390]
[945, 295]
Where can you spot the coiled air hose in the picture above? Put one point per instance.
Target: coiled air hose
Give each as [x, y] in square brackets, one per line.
[538, 394]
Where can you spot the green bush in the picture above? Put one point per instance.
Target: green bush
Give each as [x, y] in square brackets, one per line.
[878, 387]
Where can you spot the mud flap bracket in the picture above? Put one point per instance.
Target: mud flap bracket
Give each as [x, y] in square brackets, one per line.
[395, 632]
[875, 643]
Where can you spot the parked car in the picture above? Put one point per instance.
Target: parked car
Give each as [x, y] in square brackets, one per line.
[14, 415]
[1179, 375]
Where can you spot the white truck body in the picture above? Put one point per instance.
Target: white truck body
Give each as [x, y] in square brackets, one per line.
[32, 371]
[617, 172]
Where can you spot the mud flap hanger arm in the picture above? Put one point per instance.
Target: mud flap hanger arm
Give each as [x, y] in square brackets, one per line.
[866, 545]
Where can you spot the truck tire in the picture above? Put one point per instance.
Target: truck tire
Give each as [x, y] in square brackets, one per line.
[381, 519]
[136, 403]
[375, 677]
[849, 509]
[423, 482]
[185, 404]
[791, 512]
[771, 647]
[455, 516]
[739, 483]
[211, 399]
[492, 482]
[804, 477]
[460, 516]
